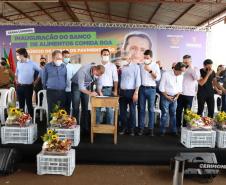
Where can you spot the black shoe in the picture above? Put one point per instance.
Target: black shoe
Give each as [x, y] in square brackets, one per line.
[141, 132]
[132, 133]
[162, 134]
[151, 132]
[123, 132]
[175, 134]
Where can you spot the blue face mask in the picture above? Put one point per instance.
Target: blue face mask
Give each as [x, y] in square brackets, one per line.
[66, 60]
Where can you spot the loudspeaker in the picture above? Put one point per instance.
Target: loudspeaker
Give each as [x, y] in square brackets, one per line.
[199, 158]
[8, 160]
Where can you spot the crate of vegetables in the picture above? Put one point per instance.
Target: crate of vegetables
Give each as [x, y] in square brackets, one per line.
[198, 132]
[18, 128]
[196, 122]
[198, 138]
[72, 133]
[65, 126]
[220, 120]
[56, 157]
[15, 134]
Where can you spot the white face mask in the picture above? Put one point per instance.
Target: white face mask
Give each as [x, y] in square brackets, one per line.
[58, 62]
[147, 61]
[66, 60]
[95, 76]
[105, 58]
[18, 58]
[124, 62]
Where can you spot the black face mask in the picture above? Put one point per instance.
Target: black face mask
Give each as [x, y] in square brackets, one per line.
[42, 63]
[3, 63]
[187, 66]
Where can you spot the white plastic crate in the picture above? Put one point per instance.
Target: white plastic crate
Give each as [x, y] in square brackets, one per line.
[56, 164]
[72, 133]
[23, 135]
[195, 138]
[221, 139]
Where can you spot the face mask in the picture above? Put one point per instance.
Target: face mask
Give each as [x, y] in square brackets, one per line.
[95, 76]
[18, 58]
[66, 60]
[124, 62]
[58, 62]
[105, 58]
[42, 63]
[147, 61]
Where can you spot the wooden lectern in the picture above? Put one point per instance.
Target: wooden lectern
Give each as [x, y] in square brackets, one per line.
[98, 102]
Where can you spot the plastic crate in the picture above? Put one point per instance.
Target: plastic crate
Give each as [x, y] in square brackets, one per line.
[56, 164]
[198, 138]
[221, 139]
[24, 135]
[72, 133]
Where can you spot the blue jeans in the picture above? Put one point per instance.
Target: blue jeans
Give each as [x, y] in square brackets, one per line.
[68, 102]
[168, 108]
[109, 111]
[126, 98]
[147, 94]
[78, 96]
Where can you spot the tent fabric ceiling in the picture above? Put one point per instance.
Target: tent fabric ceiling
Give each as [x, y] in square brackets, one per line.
[168, 12]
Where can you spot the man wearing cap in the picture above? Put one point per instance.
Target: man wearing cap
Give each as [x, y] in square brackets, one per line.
[170, 88]
[107, 84]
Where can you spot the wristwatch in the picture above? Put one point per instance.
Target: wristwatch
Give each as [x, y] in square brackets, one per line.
[150, 71]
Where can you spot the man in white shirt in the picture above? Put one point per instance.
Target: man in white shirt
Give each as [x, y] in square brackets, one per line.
[150, 73]
[170, 88]
[71, 70]
[106, 83]
[190, 81]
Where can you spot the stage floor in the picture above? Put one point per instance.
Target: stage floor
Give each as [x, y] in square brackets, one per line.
[129, 150]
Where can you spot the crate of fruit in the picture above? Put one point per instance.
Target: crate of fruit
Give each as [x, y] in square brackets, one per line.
[17, 134]
[69, 133]
[56, 164]
[196, 122]
[198, 138]
[65, 125]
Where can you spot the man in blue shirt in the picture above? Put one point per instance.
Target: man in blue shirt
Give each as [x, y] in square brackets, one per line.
[55, 80]
[25, 79]
[129, 87]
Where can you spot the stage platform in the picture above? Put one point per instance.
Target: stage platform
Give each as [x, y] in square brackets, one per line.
[129, 150]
